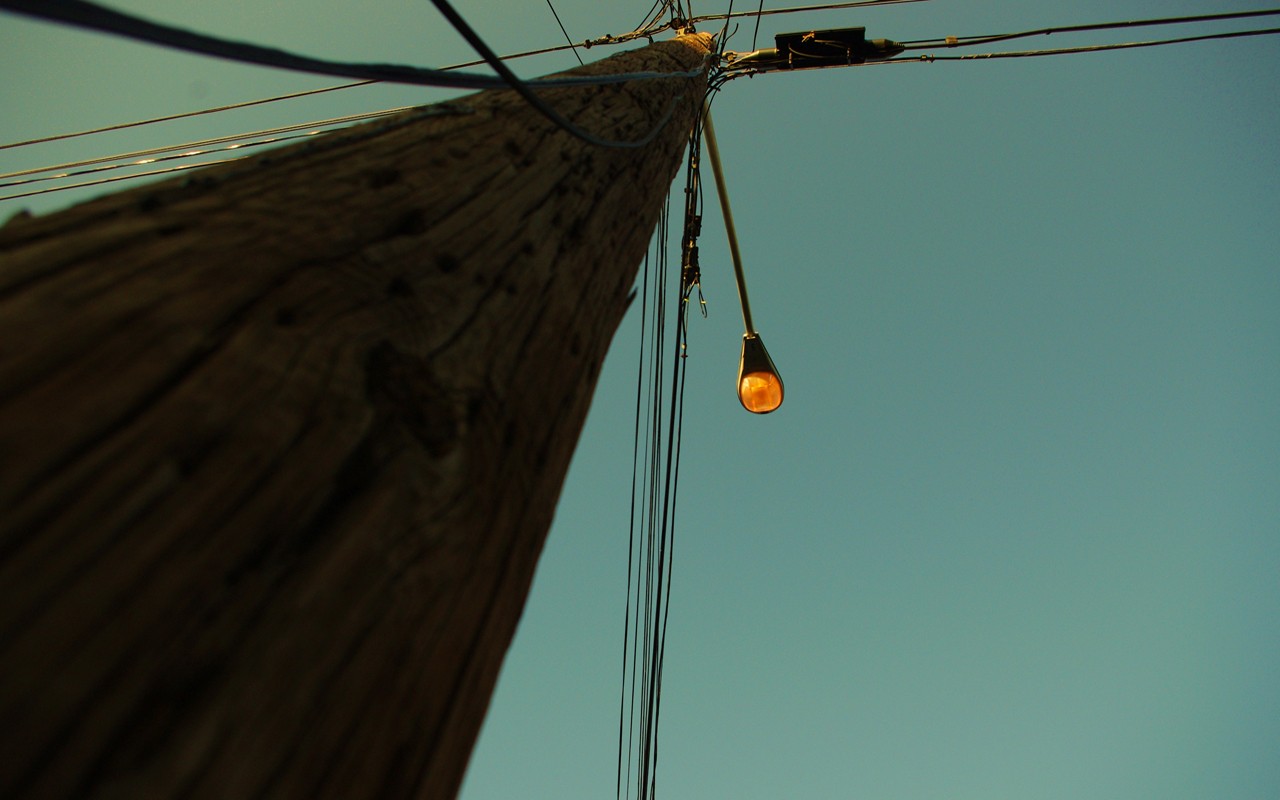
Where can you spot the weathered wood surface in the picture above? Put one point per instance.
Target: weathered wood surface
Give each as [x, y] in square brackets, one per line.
[280, 443]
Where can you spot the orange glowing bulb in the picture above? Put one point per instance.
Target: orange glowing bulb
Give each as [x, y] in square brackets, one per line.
[760, 392]
[759, 385]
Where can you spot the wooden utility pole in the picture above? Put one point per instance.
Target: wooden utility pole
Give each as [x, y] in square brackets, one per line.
[280, 442]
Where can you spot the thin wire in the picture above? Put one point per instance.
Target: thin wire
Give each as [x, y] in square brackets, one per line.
[756, 34]
[159, 159]
[654, 13]
[801, 9]
[120, 178]
[969, 41]
[121, 126]
[170, 117]
[566, 33]
[523, 89]
[1089, 48]
[413, 114]
[79, 13]
[209, 142]
[631, 537]
[647, 29]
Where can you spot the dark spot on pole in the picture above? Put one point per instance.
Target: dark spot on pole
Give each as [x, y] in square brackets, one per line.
[410, 223]
[381, 178]
[399, 287]
[407, 396]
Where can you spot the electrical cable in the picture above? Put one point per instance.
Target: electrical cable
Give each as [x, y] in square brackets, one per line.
[968, 41]
[155, 160]
[332, 121]
[565, 32]
[523, 89]
[185, 114]
[756, 34]
[91, 16]
[801, 9]
[232, 106]
[82, 14]
[654, 13]
[404, 116]
[116, 178]
[1097, 48]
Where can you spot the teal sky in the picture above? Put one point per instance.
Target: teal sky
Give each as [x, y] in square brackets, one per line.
[1015, 532]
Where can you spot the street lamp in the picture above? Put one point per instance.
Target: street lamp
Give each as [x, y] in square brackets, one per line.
[759, 384]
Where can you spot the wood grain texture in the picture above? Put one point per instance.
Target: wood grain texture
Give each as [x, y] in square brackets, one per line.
[280, 442]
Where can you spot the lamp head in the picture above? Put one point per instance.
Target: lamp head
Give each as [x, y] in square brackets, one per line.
[759, 384]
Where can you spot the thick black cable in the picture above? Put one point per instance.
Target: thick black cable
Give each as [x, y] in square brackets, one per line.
[305, 93]
[969, 41]
[90, 16]
[98, 18]
[522, 88]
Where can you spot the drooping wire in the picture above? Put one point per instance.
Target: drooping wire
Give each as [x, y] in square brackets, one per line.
[655, 490]
[352, 118]
[648, 28]
[523, 89]
[79, 13]
[565, 32]
[969, 41]
[756, 33]
[604, 40]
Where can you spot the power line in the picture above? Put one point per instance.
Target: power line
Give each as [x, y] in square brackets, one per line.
[968, 41]
[90, 16]
[183, 115]
[294, 95]
[523, 89]
[116, 178]
[800, 9]
[1098, 48]
[740, 64]
[189, 148]
[647, 29]
[756, 34]
[565, 32]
